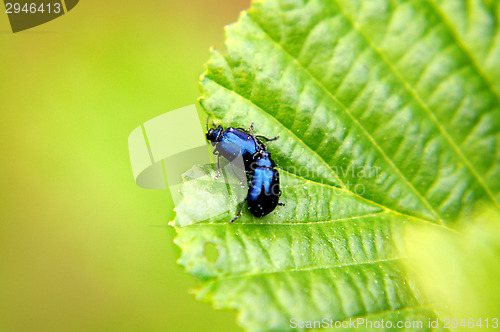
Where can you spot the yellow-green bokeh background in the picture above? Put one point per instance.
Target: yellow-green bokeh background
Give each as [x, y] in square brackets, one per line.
[82, 248]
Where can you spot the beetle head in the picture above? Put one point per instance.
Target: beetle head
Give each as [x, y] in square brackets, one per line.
[214, 133]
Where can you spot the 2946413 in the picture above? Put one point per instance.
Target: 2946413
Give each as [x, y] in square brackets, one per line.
[470, 323]
[32, 8]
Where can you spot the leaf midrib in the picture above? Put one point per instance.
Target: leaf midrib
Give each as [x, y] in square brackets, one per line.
[295, 223]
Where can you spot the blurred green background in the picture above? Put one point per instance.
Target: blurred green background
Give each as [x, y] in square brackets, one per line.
[81, 246]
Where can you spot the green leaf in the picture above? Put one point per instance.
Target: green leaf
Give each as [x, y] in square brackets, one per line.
[388, 116]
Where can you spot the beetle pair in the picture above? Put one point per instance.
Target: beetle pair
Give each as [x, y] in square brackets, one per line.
[264, 184]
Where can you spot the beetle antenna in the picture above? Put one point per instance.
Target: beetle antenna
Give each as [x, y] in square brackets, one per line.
[208, 117]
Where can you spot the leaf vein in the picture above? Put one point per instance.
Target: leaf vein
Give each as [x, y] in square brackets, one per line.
[303, 269]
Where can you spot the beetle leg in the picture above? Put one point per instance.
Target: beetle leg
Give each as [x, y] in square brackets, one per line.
[241, 181]
[239, 211]
[281, 204]
[216, 149]
[218, 167]
[267, 139]
[253, 135]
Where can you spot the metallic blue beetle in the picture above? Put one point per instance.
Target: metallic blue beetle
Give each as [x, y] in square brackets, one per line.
[232, 142]
[264, 190]
[264, 187]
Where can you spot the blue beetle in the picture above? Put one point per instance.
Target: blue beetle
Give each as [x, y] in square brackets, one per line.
[263, 191]
[232, 142]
